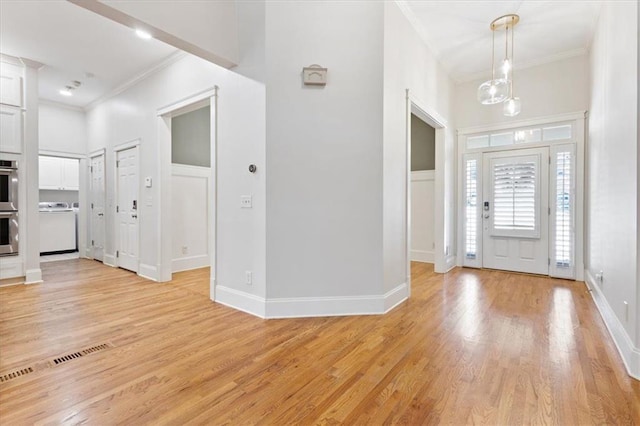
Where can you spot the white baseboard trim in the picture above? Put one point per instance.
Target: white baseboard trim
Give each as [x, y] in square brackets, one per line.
[11, 270]
[33, 276]
[109, 260]
[630, 355]
[299, 307]
[450, 262]
[395, 297]
[422, 256]
[189, 263]
[149, 272]
[241, 300]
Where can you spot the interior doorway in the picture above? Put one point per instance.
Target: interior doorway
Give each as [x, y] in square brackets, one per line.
[190, 188]
[192, 210]
[442, 259]
[58, 206]
[423, 161]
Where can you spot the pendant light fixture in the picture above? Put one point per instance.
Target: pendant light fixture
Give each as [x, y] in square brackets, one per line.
[500, 89]
[495, 90]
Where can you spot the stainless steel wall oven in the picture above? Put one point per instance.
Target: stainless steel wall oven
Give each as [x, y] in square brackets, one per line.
[8, 207]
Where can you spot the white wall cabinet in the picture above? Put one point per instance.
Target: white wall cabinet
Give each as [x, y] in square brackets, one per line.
[59, 173]
[10, 129]
[11, 90]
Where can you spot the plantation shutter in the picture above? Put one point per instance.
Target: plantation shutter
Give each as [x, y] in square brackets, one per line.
[472, 231]
[515, 190]
[562, 187]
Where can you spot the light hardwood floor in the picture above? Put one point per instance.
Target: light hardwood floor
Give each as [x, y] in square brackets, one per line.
[468, 347]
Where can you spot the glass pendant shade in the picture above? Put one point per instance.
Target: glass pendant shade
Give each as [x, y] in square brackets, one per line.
[511, 107]
[493, 91]
[506, 69]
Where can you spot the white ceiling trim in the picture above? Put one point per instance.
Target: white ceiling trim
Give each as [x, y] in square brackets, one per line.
[524, 65]
[424, 35]
[60, 105]
[171, 59]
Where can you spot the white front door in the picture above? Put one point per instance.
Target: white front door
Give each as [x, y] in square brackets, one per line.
[96, 195]
[127, 209]
[515, 210]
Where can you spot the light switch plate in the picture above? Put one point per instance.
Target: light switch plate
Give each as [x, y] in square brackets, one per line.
[245, 202]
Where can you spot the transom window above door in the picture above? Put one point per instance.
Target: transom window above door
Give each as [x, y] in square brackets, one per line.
[524, 135]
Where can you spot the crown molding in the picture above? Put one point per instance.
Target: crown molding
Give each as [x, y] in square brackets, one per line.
[169, 60]
[8, 59]
[422, 33]
[20, 62]
[30, 63]
[56, 104]
[466, 78]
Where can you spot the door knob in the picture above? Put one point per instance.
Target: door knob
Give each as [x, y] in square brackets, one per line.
[135, 216]
[486, 215]
[100, 214]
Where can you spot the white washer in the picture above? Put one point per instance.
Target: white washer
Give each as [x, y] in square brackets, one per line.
[57, 228]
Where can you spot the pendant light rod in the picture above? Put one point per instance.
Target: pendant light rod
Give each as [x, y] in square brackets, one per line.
[506, 44]
[493, 52]
[512, 61]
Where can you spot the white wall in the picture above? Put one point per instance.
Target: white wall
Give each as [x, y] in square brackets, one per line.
[612, 231]
[251, 39]
[549, 89]
[324, 150]
[191, 186]
[132, 115]
[62, 129]
[207, 29]
[408, 63]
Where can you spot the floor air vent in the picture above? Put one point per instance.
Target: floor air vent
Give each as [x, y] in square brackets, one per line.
[75, 355]
[68, 357]
[53, 362]
[14, 374]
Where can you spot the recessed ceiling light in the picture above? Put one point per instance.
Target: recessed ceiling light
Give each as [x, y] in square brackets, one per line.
[143, 34]
[66, 92]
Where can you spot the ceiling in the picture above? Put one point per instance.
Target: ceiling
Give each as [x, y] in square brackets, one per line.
[75, 44]
[458, 31]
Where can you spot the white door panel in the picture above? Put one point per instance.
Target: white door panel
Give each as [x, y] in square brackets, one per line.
[515, 217]
[97, 195]
[127, 208]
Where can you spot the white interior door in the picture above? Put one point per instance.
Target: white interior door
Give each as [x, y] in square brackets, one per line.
[515, 210]
[127, 209]
[97, 195]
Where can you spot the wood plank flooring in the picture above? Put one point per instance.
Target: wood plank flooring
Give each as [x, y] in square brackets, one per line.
[470, 346]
